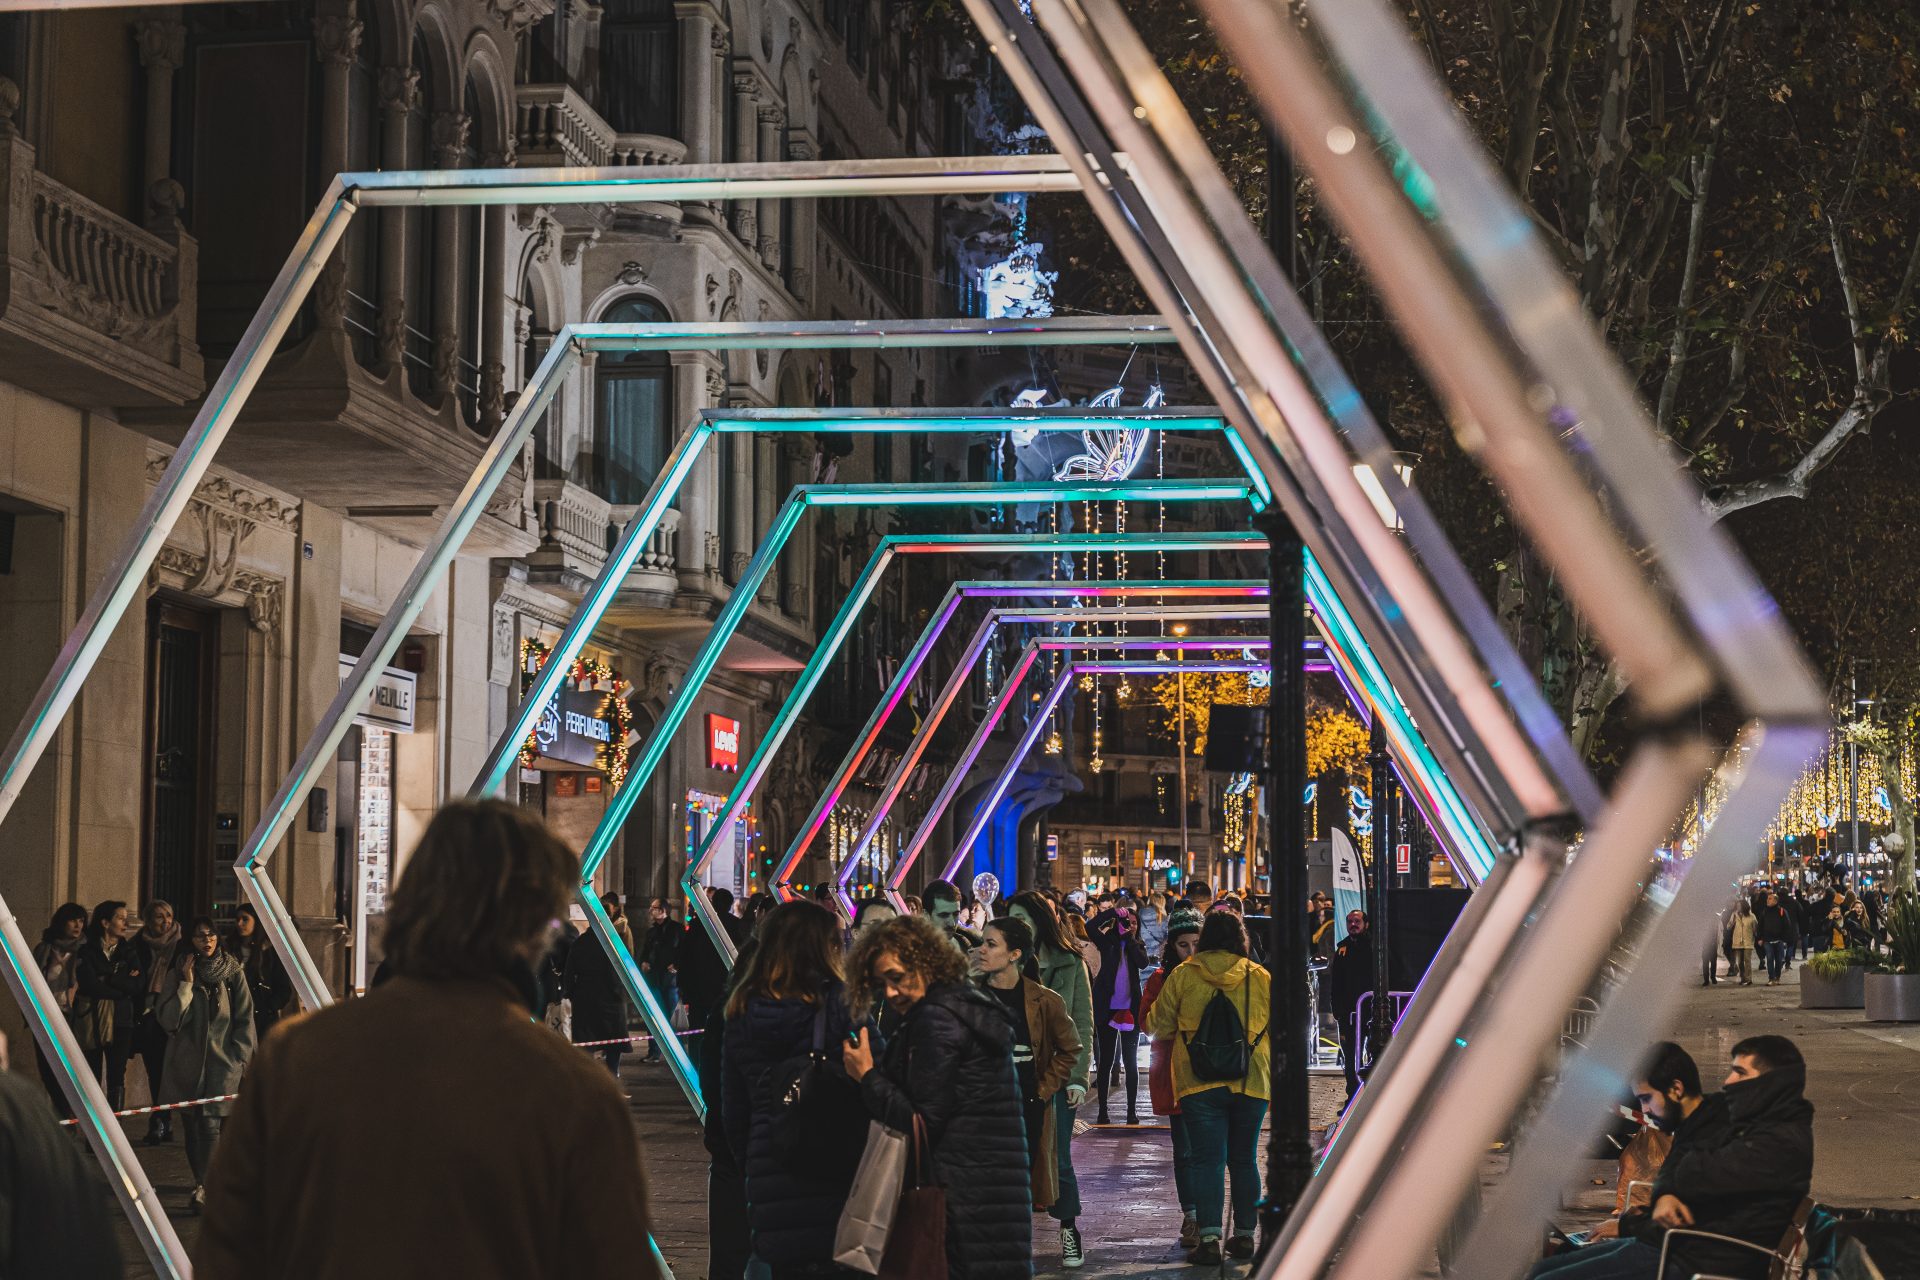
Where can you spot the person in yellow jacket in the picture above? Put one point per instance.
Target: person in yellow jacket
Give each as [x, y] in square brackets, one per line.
[1220, 1074]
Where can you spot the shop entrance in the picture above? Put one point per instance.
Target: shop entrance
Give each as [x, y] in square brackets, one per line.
[176, 832]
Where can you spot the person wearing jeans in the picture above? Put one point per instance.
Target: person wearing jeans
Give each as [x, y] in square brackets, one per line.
[1776, 936]
[1223, 1145]
[1219, 1079]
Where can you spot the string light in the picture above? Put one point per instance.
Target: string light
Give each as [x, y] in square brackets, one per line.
[611, 756]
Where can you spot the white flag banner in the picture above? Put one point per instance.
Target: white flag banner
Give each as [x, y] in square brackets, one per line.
[1349, 882]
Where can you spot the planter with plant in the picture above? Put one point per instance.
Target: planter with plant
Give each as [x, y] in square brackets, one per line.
[1893, 990]
[1834, 979]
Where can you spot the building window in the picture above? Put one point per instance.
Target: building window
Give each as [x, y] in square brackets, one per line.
[417, 342]
[363, 235]
[640, 66]
[633, 395]
[467, 299]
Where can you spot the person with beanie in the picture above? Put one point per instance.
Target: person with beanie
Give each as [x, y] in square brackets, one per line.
[1183, 939]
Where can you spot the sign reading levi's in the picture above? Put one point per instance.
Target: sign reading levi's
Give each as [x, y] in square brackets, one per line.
[723, 743]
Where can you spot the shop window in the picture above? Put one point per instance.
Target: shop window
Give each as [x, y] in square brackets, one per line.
[633, 398]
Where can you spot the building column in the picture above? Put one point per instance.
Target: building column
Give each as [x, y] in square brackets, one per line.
[799, 251]
[766, 502]
[692, 378]
[399, 91]
[740, 502]
[799, 552]
[772, 118]
[336, 42]
[449, 142]
[163, 48]
[582, 468]
[696, 32]
[746, 149]
[493, 303]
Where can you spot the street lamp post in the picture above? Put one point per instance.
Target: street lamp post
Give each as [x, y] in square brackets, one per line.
[1180, 697]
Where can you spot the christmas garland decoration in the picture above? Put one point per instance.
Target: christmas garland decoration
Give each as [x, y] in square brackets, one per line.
[611, 756]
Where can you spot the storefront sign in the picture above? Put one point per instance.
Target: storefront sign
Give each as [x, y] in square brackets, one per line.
[723, 743]
[391, 705]
[576, 728]
[1053, 848]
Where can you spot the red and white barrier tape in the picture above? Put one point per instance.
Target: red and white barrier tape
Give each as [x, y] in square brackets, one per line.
[168, 1106]
[229, 1097]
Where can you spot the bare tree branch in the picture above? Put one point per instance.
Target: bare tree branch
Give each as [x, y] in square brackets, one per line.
[1689, 275]
[1856, 328]
[1735, 389]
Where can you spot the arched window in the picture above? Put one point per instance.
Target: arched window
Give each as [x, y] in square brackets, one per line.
[633, 405]
[640, 66]
[417, 343]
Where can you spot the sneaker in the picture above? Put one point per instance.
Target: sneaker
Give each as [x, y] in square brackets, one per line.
[1240, 1246]
[1189, 1230]
[1072, 1252]
[196, 1200]
[1205, 1254]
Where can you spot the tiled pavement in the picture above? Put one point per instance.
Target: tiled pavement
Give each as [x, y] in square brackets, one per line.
[1864, 1082]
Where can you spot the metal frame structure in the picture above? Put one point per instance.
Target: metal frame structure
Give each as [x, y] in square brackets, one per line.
[122, 580]
[1447, 813]
[1069, 672]
[1486, 309]
[863, 587]
[910, 667]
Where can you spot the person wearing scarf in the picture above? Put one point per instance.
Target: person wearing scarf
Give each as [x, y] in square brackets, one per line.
[156, 945]
[59, 945]
[207, 1010]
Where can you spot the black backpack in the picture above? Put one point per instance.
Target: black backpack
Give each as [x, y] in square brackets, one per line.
[1219, 1048]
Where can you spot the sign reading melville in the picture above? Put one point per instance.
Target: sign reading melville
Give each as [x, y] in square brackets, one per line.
[390, 706]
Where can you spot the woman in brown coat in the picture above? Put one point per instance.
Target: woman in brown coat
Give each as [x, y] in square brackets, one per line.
[1045, 1042]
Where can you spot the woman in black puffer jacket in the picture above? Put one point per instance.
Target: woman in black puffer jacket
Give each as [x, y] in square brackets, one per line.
[787, 996]
[952, 1066]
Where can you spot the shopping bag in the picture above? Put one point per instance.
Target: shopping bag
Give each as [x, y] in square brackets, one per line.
[860, 1241]
[917, 1244]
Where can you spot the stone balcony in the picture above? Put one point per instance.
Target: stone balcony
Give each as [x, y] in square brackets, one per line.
[577, 530]
[94, 310]
[554, 125]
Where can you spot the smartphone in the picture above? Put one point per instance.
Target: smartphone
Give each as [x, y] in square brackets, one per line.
[853, 1037]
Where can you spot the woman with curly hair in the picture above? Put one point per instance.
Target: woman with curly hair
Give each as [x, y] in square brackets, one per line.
[950, 1067]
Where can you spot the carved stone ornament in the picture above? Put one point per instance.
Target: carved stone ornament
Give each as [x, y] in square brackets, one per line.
[500, 650]
[450, 132]
[713, 296]
[399, 88]
[716, 386]
[162, 42]
[336, 38]
[730, 309]
[216, 491]
[632, 273]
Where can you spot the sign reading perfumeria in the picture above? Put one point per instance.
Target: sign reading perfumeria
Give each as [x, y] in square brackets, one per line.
[574, 727]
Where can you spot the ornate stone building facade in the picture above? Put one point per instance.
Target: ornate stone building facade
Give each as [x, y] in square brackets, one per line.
[160, 163]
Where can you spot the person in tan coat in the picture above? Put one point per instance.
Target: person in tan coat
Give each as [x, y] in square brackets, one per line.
[1046, 1044]
[434, 1128]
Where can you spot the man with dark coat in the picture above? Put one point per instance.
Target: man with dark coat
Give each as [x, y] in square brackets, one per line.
[1775, 931]
[1349, 974]
[703, 974]
[599, 1001]
[1740, 1166]
[54, 1209]
[660, 961]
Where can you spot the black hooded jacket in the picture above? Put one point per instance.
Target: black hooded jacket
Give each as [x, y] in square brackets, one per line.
[794, 1212]
[952, 1063]
[1741, 1163]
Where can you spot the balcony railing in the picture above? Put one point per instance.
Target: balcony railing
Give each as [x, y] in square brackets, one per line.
[578, 528]
[554, 125]
[98, 311]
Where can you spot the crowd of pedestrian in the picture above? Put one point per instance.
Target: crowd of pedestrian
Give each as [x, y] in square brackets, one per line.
[1769, 922]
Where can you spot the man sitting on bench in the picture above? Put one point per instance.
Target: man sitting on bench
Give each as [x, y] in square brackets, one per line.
[1741, 1163]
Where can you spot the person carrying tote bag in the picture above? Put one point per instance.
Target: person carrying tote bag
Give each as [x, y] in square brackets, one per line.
[950, 1068]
